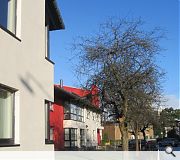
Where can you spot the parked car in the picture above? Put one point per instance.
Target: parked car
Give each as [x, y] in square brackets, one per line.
[142, 144]
[151, 144]
[168, 142]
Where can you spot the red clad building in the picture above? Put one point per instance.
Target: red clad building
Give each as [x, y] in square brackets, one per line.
[75, 120]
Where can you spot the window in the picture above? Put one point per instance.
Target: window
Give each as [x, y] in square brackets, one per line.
[73, 112]
[70, 137]
[88, 114]
[94, 135]
[47, 42]
[93, 116]
[6, 115]
[48, 128]
[87, 135]
[82, 137]
[8, 14]
[97, 117]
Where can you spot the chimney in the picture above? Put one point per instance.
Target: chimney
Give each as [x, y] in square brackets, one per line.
[61, 83]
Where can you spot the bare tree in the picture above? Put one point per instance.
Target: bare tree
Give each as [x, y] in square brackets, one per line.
[120, 61]
[141, 115]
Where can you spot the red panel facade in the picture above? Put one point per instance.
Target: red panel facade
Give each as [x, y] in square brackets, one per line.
[56, 121]
[98, 137]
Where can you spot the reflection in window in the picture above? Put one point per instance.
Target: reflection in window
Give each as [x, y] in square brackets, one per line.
[6, 116]
[48, 128]
[73, 112]
[8, 14]
[94, 135]
[82, 137]
[70, 137]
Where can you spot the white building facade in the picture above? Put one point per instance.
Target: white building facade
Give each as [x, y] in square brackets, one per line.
[26, 72]
[87, 128]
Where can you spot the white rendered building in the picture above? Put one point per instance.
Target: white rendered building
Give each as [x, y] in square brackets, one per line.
[26, 72]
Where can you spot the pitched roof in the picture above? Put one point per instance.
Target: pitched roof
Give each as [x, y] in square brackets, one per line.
[61, 93]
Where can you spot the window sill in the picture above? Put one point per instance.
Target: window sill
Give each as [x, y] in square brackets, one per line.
[74, 120]
[49, 142]
[9, 32]
[49, 60]
[9, 145]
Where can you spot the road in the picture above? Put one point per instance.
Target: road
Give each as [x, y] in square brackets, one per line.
[174, 148]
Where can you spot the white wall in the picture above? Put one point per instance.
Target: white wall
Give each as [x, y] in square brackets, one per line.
[88, 124]
[23, 66]
[93, 125]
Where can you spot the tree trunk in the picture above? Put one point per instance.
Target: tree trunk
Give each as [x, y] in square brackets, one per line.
[136, 136]
[123, 125]
[144, 135]
[143, 131]
[124, 133]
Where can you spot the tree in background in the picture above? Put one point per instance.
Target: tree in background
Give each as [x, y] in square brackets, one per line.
[120, 60]
[141, 117]
[167, 119]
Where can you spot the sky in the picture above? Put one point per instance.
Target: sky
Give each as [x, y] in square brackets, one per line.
[83, 17]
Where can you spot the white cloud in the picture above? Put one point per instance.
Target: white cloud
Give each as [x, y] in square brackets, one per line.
[172, 101]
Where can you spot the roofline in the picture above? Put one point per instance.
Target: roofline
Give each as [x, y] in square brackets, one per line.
[59, 14]
[76, 98]
[55, 15]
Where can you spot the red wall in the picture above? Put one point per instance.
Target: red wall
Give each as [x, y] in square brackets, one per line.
[56, 121]
[98, 137]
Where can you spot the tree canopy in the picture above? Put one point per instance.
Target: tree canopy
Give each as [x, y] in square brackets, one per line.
[120, 60]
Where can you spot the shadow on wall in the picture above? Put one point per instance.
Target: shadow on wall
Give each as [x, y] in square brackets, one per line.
[29, 80]
[27, 85]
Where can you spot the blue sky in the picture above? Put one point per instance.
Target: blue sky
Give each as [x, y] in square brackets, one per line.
[82, 18]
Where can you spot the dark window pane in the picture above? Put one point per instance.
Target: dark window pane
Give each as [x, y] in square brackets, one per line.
[67, 137]
[72, 131]
[3, 12]
[67, 143]
[67, 116]
[66, 109]
[8, 14]
[73, 137]
[73, 143]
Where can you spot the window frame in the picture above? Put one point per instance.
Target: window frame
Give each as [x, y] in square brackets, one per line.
[73, 112]
[93, 116]
[9, 141]
[82, 137]
[48, 128]
[47, 35]
[88, 114]
[13, 34]
[94, 135]
[47, 53]
[70, 140]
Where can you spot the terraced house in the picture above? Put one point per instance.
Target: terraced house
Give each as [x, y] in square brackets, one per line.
[26, 72]
[75, 119]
